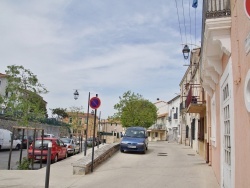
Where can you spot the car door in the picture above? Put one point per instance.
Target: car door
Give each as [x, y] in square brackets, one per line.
[58, 149]
[62, 149]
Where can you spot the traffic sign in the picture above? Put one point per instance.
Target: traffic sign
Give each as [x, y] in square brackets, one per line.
[247, 7]
[94, 102]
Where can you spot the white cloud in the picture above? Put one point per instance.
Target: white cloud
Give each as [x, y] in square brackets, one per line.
[105, 47]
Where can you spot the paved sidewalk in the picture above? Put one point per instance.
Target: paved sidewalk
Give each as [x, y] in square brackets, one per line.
[165, 164]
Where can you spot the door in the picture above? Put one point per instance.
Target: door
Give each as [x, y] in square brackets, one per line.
[226, 109]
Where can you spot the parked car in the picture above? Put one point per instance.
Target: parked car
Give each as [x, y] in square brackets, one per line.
[46, 135]
[90, 141]
[26, 139]
[5, 140]
[72, 146]
[58, 149]
[134, 139]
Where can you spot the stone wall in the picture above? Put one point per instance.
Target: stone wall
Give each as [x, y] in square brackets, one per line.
[51, 129]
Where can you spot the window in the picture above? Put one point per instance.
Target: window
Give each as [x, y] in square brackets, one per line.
[156, 134]
[80, 121]
[70, 120]
[213, 121]
[193, 129]
[201, 129]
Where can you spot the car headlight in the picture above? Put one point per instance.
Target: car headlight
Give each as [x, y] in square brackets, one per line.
[123, 143]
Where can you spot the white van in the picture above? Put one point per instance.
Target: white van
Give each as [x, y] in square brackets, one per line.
[5, 140]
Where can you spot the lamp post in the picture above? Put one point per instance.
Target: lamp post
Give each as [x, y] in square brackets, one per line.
[92, 163]
[85, 143]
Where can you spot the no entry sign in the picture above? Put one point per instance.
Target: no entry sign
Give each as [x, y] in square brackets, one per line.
[247, 7]
[94, 102]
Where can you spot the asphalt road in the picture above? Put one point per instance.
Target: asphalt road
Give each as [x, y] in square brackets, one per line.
[164, 165]
[167, 165]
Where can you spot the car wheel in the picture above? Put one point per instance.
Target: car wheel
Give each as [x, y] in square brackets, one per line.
[122, 150]
[55, 159]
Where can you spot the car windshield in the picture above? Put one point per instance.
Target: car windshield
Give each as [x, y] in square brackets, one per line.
[65, 140]
[38, 144]
[135, 133]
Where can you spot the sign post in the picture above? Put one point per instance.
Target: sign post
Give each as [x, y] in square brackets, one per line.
[94, 103]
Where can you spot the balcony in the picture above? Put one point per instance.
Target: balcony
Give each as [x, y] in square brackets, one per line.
[217, 8]
[157, 127]
[195, 99]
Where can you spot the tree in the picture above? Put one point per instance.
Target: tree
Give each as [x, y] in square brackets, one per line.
[22, 100]
[126, 97]
[135, 111]
[60, 112]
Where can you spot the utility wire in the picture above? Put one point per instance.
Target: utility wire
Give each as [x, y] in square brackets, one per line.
[184, 21]
[190, 26]
[195, 27]
[179, 21]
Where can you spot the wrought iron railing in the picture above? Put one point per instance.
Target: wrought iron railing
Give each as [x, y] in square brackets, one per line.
[195, 95]
[217, 8]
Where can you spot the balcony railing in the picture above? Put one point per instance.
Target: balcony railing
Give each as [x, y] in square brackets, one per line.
[217, 8]
[195, 102]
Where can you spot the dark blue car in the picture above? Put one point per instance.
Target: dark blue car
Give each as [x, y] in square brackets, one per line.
[134, 139]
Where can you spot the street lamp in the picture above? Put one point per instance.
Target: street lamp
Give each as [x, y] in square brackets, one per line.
[76, 94]
[186, 51]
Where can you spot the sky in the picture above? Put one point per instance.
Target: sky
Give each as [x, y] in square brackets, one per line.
[105, 47]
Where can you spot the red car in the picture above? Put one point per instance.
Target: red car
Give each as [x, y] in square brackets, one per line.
[58, 150]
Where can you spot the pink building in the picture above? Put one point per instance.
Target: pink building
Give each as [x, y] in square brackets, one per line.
[225, 74]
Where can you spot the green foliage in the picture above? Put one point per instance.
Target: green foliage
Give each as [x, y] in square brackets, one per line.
[126, 97]
[136, 111]
[25, 164]
[23, 100]
[60, 112]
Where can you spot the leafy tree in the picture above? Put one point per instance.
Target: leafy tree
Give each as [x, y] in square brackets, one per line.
[126, 97]
[136, 111]
[22, 100]
[60, 112]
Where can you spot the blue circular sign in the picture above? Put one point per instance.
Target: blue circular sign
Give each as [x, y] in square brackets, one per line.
[94, 102]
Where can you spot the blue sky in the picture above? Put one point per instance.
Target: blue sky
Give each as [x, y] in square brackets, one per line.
[104, 47]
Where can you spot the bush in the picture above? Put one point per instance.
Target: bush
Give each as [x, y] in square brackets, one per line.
[25, 164]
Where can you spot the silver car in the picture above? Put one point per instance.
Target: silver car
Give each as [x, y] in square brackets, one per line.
[72, 146]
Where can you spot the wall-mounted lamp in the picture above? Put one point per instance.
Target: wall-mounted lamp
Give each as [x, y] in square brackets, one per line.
[76, 95]
[186, 51]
